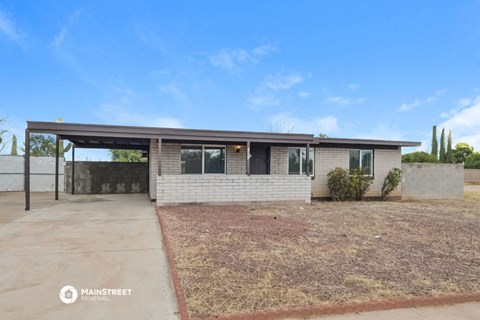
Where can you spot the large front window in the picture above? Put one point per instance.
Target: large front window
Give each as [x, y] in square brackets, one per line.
[202, 159]
[362, 159]
[297, 160]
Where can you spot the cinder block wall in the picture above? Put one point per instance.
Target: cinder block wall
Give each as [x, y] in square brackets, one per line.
[278, 160]
[472, 175]
[107, 177]
[172, 189]
[327, 159]
[425, 181]
[153, 169]
[236, 162]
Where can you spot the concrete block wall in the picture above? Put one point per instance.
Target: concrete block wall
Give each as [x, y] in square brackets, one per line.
[172, 189]
[42, 173]
[327, 159]
[472, 175]
[171, 158]
[278, 160]
[236, 162]
[426, 181]
[153, 169]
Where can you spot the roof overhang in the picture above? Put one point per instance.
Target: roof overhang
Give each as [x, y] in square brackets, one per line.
[366, 142]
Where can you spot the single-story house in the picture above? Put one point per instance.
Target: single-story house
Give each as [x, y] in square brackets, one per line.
[187, 165]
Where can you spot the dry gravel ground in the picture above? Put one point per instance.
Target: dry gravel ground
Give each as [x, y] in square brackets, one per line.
[234, 259]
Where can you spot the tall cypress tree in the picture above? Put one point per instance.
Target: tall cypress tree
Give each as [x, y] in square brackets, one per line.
[434, 142]
[449, 156]
[14, 146]
[442, 156]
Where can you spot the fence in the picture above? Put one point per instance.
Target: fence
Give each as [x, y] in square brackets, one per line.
[42, 173]
[472, 176]
[432, 181]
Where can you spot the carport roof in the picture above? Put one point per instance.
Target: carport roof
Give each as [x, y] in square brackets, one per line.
[135, 137]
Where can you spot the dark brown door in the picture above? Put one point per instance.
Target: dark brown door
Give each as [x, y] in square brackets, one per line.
[260, 160]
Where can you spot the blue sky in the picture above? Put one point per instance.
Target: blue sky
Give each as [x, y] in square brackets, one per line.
[361, 69]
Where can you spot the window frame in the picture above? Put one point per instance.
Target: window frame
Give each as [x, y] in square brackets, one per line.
[301, 161]
[360, 160]
[203, 158]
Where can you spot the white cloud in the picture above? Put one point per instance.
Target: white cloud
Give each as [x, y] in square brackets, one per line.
[465, 124]
[263, 100]
[343, 101]
[119, 113]
[59, 39]
[8, 28]
[233, 59]
[353, 87]
[282, 81]
[462, 103]
[304, 94]
[420, 102]
[313, 125]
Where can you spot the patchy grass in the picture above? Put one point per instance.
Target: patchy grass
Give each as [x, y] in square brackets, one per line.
[234, 259]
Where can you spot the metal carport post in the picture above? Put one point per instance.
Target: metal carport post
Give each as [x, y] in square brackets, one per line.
[26, 173]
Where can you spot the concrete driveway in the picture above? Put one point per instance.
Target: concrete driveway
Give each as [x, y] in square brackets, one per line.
[93, 242]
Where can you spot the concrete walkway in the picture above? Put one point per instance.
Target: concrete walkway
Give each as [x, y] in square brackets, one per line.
[88, 242]
[465, 311]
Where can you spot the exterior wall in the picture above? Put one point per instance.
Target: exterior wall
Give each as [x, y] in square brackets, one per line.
[42, 173]
[279, 160]
[236, 162]
[153, 169]
[170, 158]
[172, 189]
[327, 159]
[107, 177]
[432, 181]
[472, 175]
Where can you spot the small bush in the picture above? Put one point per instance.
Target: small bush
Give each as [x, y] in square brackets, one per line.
[473, 161]
[347, 185]
[391, 182]
[419, 156]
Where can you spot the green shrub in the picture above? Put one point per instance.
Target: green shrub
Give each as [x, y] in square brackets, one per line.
[419, 156]
[473, 161]
[339, 184]
[391, 182]
[347, 185]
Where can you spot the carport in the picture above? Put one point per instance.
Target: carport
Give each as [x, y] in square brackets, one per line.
[82, 136]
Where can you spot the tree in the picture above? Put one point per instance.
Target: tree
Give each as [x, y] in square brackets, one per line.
[449, 154]
[442, 156]
[14, 146]
[473, 161]
[461, 152]
[45, 146]
[322, 135]
[126, 155]
[434, 142]
[419, 157]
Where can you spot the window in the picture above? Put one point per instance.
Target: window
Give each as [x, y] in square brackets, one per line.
[362, 159]
[202, 159]
[297, 160]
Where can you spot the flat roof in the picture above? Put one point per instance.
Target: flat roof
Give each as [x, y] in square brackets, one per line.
[136, 137]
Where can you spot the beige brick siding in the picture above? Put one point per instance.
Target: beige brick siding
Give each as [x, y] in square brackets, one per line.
[232, 188]
[236, 162]
[153, 169]
[327, 159]
[279, 160]
[171, 158]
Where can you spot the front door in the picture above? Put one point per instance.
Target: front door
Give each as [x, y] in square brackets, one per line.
[260, 160]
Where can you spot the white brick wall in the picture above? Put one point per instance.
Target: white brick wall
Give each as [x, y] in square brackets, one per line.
[153, 168]
[171, 158]
[232, 188]
[327, 159]
[236, 162]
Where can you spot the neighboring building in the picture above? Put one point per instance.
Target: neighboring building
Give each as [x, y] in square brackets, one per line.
[212, 166]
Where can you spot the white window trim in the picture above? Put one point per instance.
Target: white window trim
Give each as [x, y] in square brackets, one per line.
[361, 159]
[203, 158]
[301, 162]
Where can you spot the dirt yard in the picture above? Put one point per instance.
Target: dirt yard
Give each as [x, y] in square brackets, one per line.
[234, 259]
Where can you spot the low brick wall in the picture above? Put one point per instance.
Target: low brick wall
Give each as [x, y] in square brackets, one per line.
[107, 177]
[472, 175]
[424, 181]
[173, 189]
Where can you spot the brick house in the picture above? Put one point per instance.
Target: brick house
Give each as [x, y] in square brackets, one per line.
[188, 165]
